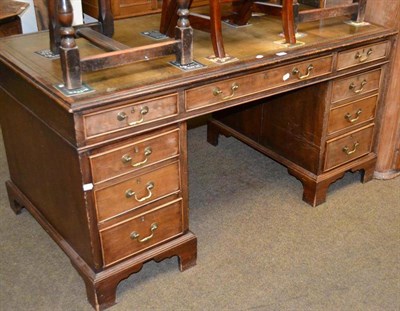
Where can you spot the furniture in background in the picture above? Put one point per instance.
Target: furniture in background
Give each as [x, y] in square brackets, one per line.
[41, 13]
[241, 11]
[10, 22]
[129, 8]
[123, 9]
[239, 15]
[291, 15]
[106, 174]
[318, 133]
[117, 54]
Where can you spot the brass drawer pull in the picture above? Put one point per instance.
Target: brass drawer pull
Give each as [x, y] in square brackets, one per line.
[123, 116]
[127, 158]
[130, 193]
[349, 118]
[296, 72]
[363, 57]
[349, 152]
[217, 91]
[352, 87]
[135, 236]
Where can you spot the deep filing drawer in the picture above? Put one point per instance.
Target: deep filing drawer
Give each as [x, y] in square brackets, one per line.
[351, 114]
[142, 151]
[222, 91]
[349, 88]
[130, 115]
[348, 147]
[137, 191]
[362, 55]
[141, 232]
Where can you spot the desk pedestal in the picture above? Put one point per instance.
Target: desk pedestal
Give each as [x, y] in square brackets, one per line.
[300, 130]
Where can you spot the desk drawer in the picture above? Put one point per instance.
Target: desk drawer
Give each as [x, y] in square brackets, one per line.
[356, 112]
[349, 88]
[130, 115]
[349, 147]
[225, 90]
[362, 55]
[141, 232]
[137, 191]
[140, 152]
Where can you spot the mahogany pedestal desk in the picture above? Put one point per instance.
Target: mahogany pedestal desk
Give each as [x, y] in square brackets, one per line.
[105, 172]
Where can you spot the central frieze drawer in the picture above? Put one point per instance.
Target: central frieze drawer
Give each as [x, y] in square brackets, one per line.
[349, 147]
[137, 191]
[130, 115]
[222, 91]
[142, 151]
[349, 88]
[141, 232]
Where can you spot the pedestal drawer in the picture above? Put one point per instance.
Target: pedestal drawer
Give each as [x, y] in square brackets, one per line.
[140, 152]
[141, 232]
[351, 114]
[137, 191]
[354, 86]
[218, 92]
[348, 147]
[130, 115]
[362, 55]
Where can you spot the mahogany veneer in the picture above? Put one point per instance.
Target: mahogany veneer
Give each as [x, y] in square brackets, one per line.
[105, 172]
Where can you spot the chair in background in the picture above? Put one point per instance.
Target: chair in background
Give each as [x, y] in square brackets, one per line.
[240, 15]
[287, 10]
[292, 16]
